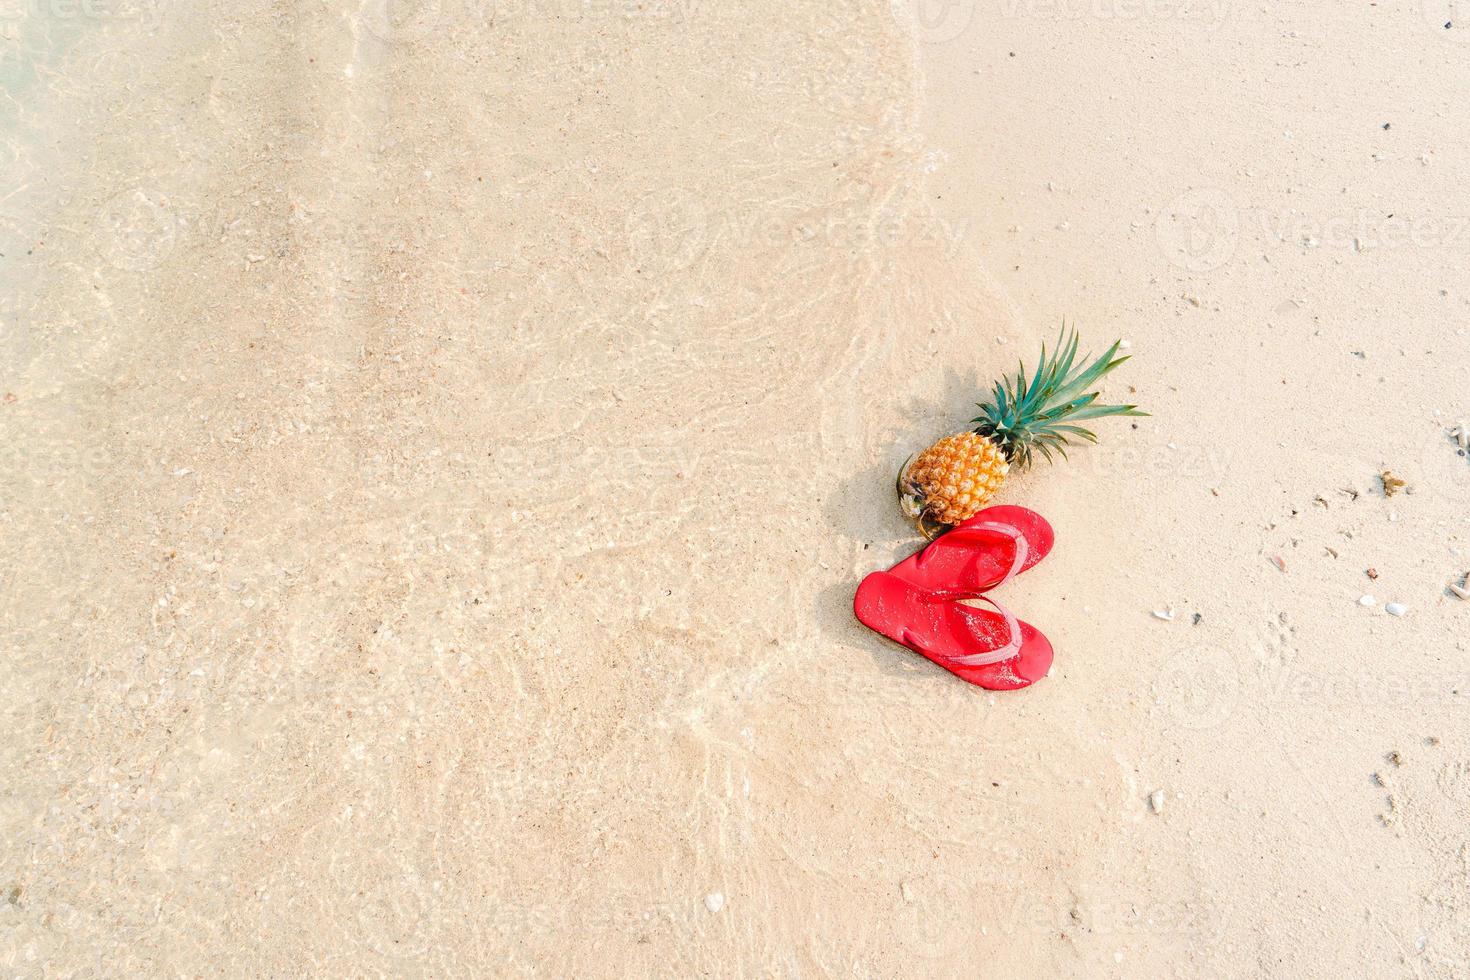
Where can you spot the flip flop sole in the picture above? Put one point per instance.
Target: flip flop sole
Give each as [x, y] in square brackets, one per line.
[943, 631]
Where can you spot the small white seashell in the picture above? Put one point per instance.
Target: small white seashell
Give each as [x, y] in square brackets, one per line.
[1367, 600]
[714, 901]
[1156, 801]
[1167, 615]
[1396, 609]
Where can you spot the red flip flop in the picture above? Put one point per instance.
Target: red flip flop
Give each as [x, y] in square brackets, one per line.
[992, 649]
[980, 553]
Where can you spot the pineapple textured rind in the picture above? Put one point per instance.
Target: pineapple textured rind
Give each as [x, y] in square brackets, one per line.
[957, 476]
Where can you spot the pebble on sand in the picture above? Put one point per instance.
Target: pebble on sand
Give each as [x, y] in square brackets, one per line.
[1396, 609]
[714, 901]
[1367, 600]
[1156, 801]
[1167, 615]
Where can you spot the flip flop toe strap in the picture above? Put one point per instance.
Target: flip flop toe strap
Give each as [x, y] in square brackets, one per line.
[1011, 648]
[1012, 645]
[967, 532]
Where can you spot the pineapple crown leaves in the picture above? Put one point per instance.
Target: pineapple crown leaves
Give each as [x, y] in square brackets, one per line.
[1027, 415]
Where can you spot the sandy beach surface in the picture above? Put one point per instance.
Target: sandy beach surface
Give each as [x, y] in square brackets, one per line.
[442, 440]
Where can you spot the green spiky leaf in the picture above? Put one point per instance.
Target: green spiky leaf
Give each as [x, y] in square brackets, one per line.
[1036, 413]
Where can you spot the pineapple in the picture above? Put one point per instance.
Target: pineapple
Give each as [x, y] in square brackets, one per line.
[959, 474]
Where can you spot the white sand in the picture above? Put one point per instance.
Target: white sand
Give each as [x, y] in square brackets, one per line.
[443, 440]
[1193, 178]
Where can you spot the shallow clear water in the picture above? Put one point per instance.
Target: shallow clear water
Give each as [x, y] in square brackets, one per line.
[423, 424]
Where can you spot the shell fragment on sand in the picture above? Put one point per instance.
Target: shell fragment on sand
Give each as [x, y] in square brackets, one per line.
[1396, 609]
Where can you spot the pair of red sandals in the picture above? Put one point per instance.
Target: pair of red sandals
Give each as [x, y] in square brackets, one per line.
[916, 602]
